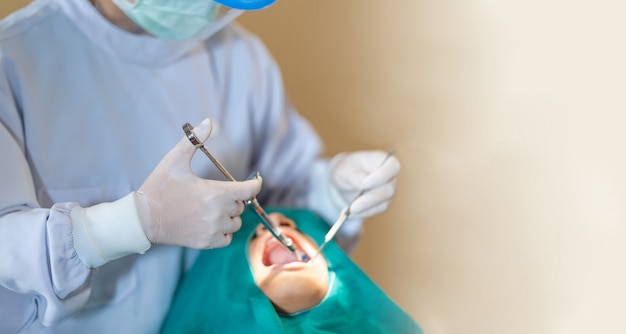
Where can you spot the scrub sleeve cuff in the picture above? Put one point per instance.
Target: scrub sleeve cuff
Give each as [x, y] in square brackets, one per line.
[108, 231]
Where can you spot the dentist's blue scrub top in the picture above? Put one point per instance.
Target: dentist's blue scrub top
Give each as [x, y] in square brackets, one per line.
[87, 110]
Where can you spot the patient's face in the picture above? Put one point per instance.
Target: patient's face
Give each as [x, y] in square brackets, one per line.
[290, 284]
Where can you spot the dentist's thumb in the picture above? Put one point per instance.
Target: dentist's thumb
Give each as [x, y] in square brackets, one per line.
[181, 155]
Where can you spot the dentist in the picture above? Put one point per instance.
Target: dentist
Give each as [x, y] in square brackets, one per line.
[102, 204]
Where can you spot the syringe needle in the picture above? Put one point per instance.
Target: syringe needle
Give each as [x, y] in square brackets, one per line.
[252, 203]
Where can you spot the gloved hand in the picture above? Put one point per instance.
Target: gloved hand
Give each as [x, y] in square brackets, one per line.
[365, 170]
[176, 207]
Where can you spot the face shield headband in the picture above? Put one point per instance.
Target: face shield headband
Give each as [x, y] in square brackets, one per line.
[186, 19]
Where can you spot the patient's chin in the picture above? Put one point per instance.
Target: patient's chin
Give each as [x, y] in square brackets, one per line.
[294, 293]
[297, 301]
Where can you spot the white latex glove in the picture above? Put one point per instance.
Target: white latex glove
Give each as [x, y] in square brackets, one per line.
[176, 207]
[365, 170]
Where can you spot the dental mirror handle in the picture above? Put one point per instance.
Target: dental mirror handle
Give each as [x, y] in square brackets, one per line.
[343, 216]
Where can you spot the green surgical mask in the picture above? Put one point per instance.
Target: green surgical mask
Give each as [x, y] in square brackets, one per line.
[171, 19]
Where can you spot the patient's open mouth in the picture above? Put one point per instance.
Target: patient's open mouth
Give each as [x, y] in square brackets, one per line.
[276, 253]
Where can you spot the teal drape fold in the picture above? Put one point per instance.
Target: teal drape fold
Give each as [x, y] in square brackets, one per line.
[218, 294]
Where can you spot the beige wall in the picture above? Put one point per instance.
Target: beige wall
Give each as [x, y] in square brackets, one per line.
[507, 117]
[7, 7]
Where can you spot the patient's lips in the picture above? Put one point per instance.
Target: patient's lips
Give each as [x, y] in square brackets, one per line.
[275, 253]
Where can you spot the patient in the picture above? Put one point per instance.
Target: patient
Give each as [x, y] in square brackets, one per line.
[290, 284]
[262, 288]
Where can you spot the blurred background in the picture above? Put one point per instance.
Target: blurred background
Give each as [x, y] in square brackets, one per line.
[507, 116]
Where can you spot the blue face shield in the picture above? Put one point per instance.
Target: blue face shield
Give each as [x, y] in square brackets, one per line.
[219, 294]
[185, 19]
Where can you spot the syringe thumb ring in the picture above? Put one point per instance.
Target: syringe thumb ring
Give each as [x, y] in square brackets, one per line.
[188, 128]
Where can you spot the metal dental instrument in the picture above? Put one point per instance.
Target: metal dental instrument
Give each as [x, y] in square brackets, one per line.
[345, 213]
[252, 203]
